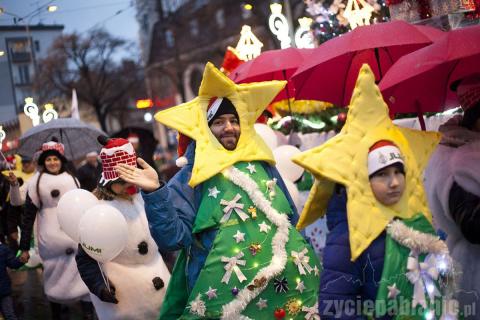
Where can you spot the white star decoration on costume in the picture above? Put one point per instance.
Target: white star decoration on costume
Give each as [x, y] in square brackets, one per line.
[261, 304]
[393, 291]
[213, 192]
[300, 286]
[211, 293]
[251, 168]
[315, 269]
[239, 236]
[264, 227]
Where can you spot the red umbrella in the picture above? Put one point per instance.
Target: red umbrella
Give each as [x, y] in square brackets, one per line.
[331, 71]
[272, 65]
[421, 81]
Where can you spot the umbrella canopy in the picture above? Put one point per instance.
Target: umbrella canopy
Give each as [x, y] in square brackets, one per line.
[332, 69]
[78, 137]
[421, 81]
[272, 65]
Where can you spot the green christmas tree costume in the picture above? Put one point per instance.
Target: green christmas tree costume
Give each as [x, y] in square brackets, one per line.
[259, 266]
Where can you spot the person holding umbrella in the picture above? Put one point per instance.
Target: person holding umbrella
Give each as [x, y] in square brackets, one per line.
[453, 187]
[62, 282]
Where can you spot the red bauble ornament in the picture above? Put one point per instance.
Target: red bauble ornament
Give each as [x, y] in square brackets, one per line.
[279, 313]
[342, 117]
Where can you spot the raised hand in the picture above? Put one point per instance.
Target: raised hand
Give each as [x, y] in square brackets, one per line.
[145, 177]
[12, 179]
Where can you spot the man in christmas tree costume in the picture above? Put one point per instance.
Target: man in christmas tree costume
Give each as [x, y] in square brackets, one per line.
[229, 212]
[382, 248]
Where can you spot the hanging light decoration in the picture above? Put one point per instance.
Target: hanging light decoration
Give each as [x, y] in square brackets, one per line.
[31, 110]
[49, 113]
[303, 35]
[278, 24]
[249, 47]
[358, 13]
[2, 135]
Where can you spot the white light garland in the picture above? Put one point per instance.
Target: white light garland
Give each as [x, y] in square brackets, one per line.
[31, 110]
[233, 309]
[278, 24]
[303, 35]
[356, 15]
[248, 46]
[49, 114]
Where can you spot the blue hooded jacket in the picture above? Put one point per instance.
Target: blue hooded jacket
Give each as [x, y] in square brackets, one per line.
[345, 285]
[171, 212]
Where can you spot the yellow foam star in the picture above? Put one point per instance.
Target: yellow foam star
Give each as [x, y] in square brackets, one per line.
[343, 159]
[191, 119]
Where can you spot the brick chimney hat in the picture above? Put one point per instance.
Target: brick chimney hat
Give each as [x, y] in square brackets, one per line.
[114, 152]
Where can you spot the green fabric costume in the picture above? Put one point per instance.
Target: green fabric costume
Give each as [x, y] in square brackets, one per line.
[249, 239]
[395, 274]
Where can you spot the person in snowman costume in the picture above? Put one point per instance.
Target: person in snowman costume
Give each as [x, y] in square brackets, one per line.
[137, 277]
[62, 282]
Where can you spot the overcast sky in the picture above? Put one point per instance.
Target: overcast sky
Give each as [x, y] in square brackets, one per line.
[117, 16]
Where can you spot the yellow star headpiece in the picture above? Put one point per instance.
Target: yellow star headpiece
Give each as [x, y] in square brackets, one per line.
[343, 159]
[191, 119]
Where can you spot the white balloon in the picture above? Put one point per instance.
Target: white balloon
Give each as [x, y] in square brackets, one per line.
[267, 134]
[71, 207]
[103, 232]
[293, 190]
[288, 170]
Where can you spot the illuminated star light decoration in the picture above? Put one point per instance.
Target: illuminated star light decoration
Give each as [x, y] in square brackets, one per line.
[278, 24]
[248, 46]
[190, 118]
[343, 159]
[358, 13]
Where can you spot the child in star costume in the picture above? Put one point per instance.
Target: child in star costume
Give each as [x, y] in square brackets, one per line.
[137, 276]
[229, 212]
[382, 257]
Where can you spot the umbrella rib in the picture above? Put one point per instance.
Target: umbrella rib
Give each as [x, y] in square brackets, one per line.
[445, 92]
[345, 78]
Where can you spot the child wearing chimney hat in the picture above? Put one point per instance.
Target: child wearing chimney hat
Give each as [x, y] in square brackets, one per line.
[138, 276]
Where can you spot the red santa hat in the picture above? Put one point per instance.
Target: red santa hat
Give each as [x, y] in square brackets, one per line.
[133, 138]
[383, 154]
[114, 152]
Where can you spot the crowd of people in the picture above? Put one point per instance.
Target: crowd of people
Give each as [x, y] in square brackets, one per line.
[228, 218]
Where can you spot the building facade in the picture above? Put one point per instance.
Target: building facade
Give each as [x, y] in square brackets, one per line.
[189, 33]
[22, 47]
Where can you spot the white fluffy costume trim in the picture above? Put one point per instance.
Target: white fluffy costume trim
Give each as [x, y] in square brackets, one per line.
[461, 165]
[131, 272]
[62, 282]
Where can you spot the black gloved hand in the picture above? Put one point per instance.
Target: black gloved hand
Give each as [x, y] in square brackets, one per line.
[108, 296]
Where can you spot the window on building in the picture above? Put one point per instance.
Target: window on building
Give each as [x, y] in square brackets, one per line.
[194, 27]
[169, 39]
[145, 22]
[220, 17]
[37, 45]
[24, 73]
